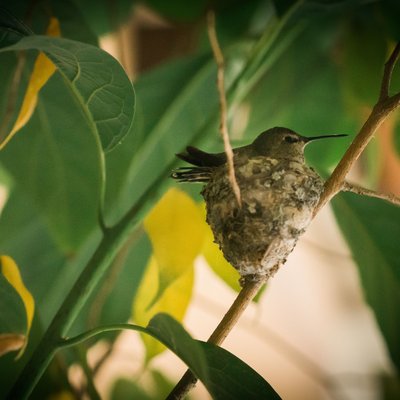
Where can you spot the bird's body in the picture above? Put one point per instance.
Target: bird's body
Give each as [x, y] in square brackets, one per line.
[278, 194]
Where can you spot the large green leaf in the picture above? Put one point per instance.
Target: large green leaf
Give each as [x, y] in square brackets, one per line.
[56, 163]
[224, 375]
[97, 82]
[230, 378]
[372, 228]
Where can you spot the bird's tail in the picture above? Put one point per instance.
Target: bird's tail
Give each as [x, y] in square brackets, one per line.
[192, 174]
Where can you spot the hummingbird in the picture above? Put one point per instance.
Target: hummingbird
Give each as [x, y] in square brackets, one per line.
[278, 194]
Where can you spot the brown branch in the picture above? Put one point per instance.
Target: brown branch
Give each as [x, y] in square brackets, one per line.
[223, 127]
[385, 106]
[244, 298]
[357, 189]
[387, 73]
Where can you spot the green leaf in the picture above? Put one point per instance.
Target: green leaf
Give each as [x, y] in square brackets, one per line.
[364, 51]
[372, 228]
[96, 81]
[230, 378]
[124, 389]
[155, 388]
[111, 302]
[172, 334]
[56, 163]
[224, 375]
[21, 227]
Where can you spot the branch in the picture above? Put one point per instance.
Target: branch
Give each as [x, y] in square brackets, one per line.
[387, 73]
[382, 109]
[352, 187]
[223, 127]
[248, 292]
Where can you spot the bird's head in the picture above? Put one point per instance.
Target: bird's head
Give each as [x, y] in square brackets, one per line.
[284, 143]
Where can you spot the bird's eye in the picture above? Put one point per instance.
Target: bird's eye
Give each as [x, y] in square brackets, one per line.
[291, 139]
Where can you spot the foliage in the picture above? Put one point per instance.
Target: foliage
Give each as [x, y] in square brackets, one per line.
[84, 170]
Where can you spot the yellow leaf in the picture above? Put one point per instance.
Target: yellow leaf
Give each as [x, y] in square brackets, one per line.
[11, 342]
[176, 230]
[11, 272]
[43, 69]
[174, 301]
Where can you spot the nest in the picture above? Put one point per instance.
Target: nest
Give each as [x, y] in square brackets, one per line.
[278, 198]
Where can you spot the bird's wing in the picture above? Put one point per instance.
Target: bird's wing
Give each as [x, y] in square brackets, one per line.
[201, 158]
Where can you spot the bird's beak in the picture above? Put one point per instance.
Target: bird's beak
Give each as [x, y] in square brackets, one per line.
[309, 139]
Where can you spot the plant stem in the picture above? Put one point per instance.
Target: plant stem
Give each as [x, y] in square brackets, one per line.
[244, 298]
[112, 240]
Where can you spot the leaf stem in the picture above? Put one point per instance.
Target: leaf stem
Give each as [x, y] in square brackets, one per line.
[68, 342]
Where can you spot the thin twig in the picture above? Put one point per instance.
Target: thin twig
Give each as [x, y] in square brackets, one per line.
[387, 73]
[244, 298]
[352, 187]
[383, 108]
[219, 59]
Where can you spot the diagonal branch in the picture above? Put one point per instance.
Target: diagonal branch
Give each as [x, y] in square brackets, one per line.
[219, 59]
[382, 109]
